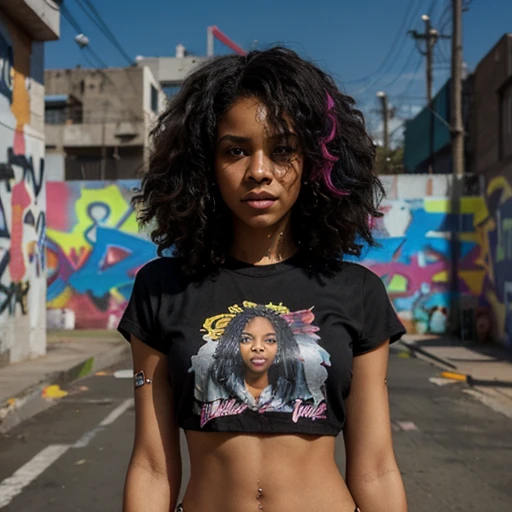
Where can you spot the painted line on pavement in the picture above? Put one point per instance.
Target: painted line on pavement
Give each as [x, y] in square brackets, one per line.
[493, 402]
[14, 485]
[118, 411]
[441, 381]
[406, 426]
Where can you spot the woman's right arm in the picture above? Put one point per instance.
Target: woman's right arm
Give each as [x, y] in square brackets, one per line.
[154, 473]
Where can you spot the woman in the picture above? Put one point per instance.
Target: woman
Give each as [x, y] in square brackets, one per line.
[257, 362]
[261, 179]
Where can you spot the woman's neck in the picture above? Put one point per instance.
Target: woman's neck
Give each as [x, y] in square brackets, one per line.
[263, 246]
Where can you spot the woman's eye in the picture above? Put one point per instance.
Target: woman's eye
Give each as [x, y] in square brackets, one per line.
[235, 151]
[245, 339]
[271, 340]
[284, 150]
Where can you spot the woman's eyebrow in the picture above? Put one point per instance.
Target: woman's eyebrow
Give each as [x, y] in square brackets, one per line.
[237, 139]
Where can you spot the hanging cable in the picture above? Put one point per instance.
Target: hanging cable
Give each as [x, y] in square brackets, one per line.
[409, 14]
[96, 18]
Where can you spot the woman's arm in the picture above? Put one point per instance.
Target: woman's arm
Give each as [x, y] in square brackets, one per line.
[372, 473]
[154, 473]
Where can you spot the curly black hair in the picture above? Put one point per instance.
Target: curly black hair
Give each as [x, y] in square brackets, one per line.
[340, 192]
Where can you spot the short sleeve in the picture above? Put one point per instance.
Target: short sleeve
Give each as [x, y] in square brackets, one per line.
[380, 322]
[140, 316]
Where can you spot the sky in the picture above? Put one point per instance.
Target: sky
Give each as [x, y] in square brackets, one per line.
[364, 44]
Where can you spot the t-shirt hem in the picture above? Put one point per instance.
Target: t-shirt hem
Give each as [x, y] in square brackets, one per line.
[286, 428]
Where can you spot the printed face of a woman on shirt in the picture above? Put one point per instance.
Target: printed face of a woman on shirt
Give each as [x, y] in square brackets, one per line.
[258, 347]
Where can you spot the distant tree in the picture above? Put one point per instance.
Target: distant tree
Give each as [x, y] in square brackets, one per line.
[393, 163]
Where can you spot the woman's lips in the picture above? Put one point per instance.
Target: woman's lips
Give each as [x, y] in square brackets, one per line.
[260, 204]
[258, 361]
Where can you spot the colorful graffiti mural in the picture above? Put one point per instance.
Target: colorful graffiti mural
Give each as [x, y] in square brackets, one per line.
[415, 255]
[94, 250]
[22, 205]
[496, 229]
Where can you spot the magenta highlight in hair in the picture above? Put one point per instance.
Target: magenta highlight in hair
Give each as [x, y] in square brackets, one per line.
[326, 170]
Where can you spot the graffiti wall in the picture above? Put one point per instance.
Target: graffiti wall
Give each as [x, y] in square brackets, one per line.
[496, 229]
[22, 202]
[94, 250]
[415, 259]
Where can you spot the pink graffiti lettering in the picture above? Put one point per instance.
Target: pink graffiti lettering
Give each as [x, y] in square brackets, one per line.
[313, 412]
[220, 408]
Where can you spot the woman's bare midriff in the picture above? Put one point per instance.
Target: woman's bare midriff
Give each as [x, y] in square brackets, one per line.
[269, 473]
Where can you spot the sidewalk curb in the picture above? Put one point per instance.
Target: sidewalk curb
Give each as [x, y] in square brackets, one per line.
[416, 349]
[32, 401]
[452, 373]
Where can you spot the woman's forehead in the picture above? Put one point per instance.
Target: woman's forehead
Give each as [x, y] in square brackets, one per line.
[248, 115]
[261, 320]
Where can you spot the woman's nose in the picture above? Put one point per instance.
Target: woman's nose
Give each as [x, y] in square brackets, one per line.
[257, 346]
[259, 168]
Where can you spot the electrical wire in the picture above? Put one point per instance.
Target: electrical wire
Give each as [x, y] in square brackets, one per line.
[411, 80]
[88, 50]
[96, 18]
[74, 23]
[413, 9]
[403, 70]
[53, 4]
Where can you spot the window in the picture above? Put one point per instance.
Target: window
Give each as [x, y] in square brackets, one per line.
[55, 115]
[154, 99]
[506, 122]
[509, 114]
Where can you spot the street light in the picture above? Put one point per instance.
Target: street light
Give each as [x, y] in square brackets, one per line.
[82, 40]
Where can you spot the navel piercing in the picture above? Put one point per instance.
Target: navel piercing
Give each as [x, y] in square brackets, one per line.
[139, 379]
[259, 495]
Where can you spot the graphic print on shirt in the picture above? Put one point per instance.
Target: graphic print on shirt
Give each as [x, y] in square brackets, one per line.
[262, 358]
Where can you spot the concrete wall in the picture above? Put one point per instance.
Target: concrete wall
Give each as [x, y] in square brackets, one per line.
[22, 196]
[113, 94]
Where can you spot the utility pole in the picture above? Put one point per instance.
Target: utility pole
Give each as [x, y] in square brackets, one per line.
[430, 36]
[456, 100]
[460, 321]
[385, 124]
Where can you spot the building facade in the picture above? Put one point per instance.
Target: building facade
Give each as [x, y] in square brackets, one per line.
[491, 130]
[98, 121]
[24, 27]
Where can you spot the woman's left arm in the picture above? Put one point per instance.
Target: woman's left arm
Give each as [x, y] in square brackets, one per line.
[372, 472]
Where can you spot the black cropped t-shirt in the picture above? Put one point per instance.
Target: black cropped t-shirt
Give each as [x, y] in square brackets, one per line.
[292, 329]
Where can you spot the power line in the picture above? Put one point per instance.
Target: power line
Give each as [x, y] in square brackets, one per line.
[96, 18]
[53, 4]
[411, 80]
[74, 23]
[401, 31]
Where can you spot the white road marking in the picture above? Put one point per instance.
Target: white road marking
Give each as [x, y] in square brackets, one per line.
[440, 381]
[492, 399]
[407, 425]
[120, 409]
[89, 436]
[123, 374]
[13, 485]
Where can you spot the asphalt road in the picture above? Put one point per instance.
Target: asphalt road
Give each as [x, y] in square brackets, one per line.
[455, 453]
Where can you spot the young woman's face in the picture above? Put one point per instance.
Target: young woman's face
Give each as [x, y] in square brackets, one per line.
[258, 345]
[258, 172]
